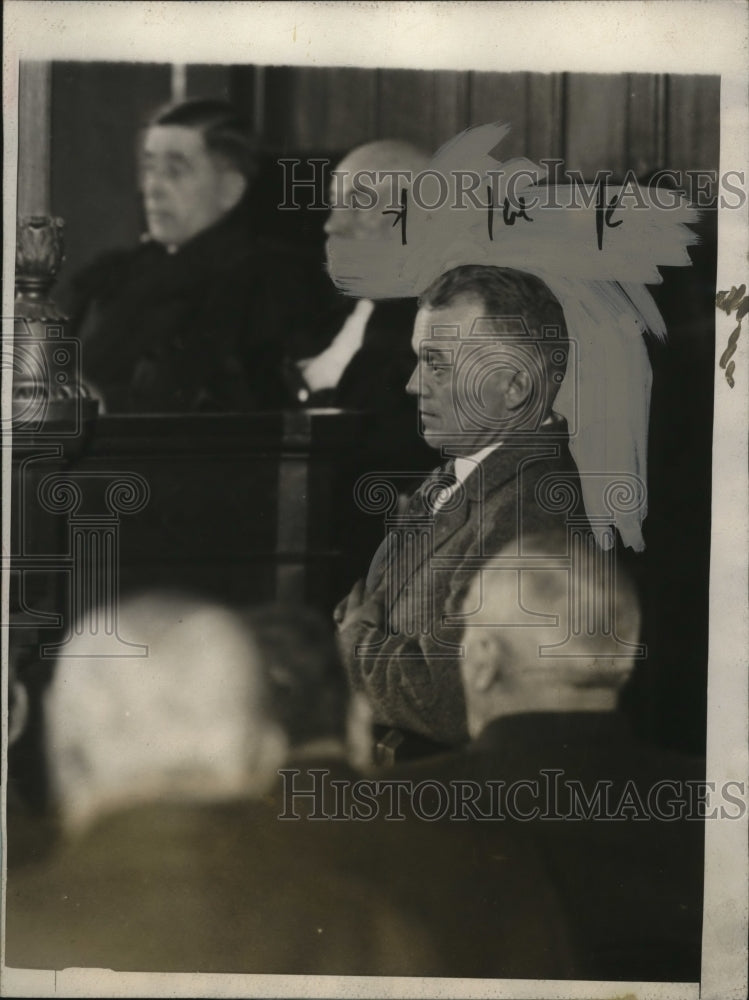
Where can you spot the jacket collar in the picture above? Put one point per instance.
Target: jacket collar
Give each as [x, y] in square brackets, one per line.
[551, 735]
[503, 463]
[227, 240]
[498, 468]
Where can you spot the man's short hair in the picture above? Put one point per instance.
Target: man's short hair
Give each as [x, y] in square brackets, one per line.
[596, 591]
[189, 721]
[506, 292]
[299, 659]
[225, 132]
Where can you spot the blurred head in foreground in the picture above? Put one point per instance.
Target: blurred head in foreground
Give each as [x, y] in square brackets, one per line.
[546, 639]
[307, 687]
[188, 722]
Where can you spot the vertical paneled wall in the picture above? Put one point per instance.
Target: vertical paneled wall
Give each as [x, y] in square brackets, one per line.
[97, 110]
[619, 122]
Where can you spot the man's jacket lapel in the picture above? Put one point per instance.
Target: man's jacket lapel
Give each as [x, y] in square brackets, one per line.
[419, 535]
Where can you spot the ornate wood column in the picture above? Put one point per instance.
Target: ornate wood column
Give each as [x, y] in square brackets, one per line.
[51, 412]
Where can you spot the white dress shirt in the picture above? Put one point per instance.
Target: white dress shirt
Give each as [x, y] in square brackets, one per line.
[464, 466]
[324, 371]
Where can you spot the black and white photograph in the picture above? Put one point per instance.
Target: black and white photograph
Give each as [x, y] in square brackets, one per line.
[374, 539]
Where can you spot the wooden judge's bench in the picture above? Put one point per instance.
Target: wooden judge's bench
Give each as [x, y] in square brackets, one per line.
[243, 508]
[240, 508]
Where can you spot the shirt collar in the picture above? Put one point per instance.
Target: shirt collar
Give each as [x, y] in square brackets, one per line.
[465, 464]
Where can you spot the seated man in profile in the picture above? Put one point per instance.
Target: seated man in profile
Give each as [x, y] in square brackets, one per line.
[547, 652]
[366, 364]
[491, 349]
[368, 360]
[193, 318]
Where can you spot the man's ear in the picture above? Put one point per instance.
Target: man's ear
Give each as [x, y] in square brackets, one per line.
[232, 187]
[484, 672]
[519, 389]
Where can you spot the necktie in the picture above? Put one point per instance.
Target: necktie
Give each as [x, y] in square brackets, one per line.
[434, 493]
[440, 487]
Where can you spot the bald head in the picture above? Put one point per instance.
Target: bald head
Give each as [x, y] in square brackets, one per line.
[187, 722]
[385, 154]
[546, 635]
[368, 180]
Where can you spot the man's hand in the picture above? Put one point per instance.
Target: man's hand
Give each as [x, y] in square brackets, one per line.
[359, 609]
[90, 390]
[354, 596]
[324, 371]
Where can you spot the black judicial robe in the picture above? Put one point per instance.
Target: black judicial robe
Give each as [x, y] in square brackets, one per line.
[202, 329]
[374, 381]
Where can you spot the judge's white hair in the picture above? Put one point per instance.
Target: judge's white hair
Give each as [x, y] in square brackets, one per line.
[186, 722]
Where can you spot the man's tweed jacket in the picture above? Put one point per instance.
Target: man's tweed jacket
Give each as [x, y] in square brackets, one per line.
[409, 668]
